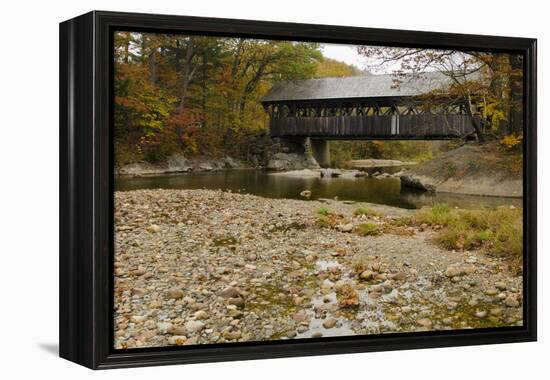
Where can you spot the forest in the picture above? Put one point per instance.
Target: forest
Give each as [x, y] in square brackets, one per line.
[198, 95]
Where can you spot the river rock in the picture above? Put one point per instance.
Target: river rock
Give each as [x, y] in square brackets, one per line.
[367, 275]
[331, 173]
[305, 193]
[346, 227]
[174, 294]
[291, 161]
[232, 335]
[163, 327]
[139, 292]
[511, 301]
[454, 271]
[194, 326]
[481, 314]
[177, 340]
[153, 228]
[230, 292]
[417, 182]
[201, 314]
[237, 301]
[329, 323]
[425, 322]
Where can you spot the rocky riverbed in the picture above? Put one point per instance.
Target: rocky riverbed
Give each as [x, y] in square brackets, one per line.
[203, 266]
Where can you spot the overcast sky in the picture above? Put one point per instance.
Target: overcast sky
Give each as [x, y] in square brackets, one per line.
[349, 55]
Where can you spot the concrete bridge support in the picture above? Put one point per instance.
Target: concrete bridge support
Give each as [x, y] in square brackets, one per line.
[321, 152]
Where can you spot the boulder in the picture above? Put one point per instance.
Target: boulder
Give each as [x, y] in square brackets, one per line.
[417, 182]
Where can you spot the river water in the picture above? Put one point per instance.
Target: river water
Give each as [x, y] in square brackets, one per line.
[385, 191]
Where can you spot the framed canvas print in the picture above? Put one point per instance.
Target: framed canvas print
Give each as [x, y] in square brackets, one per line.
[237, 189]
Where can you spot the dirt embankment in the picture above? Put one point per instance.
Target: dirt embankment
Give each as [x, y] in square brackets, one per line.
[471, 169]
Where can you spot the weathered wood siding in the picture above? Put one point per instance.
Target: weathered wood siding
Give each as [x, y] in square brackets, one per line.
[368, 126]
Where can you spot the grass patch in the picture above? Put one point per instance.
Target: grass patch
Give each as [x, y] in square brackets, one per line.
[368, 229]
[225, 241]
[403, 221]
[390, 228]
[328, 219]
[365, 211]
[323, 211]
[440, 214]
[498, 230]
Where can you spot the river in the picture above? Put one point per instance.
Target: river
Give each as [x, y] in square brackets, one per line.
[385, 191]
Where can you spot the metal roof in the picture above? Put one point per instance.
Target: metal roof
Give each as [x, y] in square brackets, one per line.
[368, 86]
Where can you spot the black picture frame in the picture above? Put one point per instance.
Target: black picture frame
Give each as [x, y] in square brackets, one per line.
[86, 190]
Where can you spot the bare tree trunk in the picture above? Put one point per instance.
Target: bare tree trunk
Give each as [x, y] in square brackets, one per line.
[153, 67]
[127, 48]
[475, 123]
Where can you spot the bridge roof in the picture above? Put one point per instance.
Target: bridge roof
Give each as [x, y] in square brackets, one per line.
[368, 86]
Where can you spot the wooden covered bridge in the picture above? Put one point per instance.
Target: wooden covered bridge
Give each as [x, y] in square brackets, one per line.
[370, 107]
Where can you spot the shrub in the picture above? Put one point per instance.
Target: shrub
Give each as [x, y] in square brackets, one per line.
[347, 296]
[327, 218]
[368, 229]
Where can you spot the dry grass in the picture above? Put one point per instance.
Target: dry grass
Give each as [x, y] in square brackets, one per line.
[365, 211]
[498, 230]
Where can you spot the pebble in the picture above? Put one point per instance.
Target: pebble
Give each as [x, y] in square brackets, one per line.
[453, 271]
[329, 323]
[481, 314]
[367, 275]
[248, 272]
[237, 301]
[347, 227]
[201, 314]
[401, 276]
[163, 327]
[230, 292]
[153, 228]
[177, 340]
[194, 326]
[511, 301]
[424, 322]
[232, 335]
[447, 321]
[139, 292]
[174, 294]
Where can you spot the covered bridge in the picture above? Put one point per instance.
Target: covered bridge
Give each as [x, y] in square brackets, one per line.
[366, 107]
[370, 107]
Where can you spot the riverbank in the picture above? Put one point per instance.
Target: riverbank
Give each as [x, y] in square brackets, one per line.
[178, 163]
[472, 169]
[203, 266]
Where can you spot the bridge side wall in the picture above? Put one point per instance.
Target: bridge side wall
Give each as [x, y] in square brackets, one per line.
[422, 126]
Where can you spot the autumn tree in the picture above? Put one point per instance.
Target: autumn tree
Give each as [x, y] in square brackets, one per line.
[197, 94]
[489, 85]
